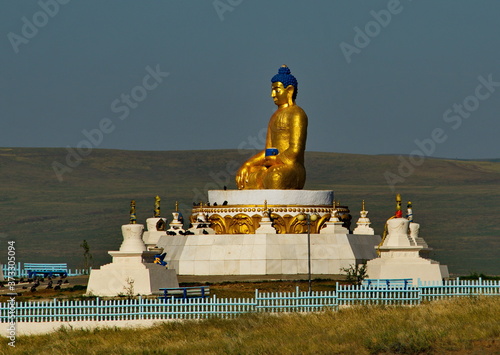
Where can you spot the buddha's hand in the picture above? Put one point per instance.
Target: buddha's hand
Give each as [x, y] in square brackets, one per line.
[242, 176]
[270, 161]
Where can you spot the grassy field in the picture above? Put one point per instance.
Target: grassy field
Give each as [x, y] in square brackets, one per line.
[456, 202]
[455, 326]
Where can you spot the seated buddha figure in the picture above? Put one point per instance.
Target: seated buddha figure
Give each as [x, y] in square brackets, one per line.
[281, 164]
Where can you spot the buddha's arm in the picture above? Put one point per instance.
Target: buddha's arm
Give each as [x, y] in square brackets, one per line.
[247, 168]
[260, 158]
[297, 139]
[257, 159]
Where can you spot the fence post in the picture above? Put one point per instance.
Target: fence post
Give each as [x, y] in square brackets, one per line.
[256, 302]
[141, 315]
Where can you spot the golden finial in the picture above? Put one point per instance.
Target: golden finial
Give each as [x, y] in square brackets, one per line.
[398, 202]
[284, 66]
[363, 205]
[176, 206]
[133, 218]
[265, 205]
[201, 206]
[157, 206]
[409, 204]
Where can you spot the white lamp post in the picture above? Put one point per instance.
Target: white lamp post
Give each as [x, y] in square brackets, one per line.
[308, 218]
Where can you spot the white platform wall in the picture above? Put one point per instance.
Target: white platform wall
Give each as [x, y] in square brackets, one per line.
[265, 254]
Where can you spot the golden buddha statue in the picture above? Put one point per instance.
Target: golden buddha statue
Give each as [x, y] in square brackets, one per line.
[281, 164]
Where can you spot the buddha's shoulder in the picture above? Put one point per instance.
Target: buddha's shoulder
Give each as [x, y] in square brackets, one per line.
[296, 110]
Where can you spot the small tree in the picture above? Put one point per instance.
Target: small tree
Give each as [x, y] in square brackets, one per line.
[87, 257]
[356, 273]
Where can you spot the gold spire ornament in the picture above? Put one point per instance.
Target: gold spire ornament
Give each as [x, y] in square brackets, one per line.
[133, 217]
[399, 213]
[157, 207]
[176, 206]
[281, 164]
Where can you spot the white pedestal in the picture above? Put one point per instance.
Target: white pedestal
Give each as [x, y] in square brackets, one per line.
[266, 226]
[127, 274]
[266, 254]
[273, 197]
[117, 278]
[334, 228]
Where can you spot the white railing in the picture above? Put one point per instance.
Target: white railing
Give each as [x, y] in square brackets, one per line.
[19, 271]
[199, 308]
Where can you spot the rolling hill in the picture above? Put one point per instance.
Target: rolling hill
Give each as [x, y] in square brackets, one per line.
[455, 201]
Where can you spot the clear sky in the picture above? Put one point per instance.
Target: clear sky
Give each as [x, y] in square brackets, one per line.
[375, 77]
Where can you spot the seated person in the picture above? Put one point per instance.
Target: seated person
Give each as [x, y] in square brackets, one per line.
[283, 165]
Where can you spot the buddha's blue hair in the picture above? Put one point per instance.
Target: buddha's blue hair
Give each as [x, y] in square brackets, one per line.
[286, 79]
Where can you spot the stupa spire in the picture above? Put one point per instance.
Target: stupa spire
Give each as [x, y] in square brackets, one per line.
[363, 223]
[133, 217]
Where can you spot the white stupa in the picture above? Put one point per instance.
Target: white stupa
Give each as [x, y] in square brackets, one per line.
[363, 224]
[132, 270]
[400, 255]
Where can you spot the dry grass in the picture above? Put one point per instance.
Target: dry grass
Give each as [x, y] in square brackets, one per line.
[458, 326]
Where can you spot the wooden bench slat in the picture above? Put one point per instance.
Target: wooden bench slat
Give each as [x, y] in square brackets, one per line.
[185, 292]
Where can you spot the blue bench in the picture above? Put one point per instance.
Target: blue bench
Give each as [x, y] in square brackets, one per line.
[49, 270]
[185, 292]
[386, 283]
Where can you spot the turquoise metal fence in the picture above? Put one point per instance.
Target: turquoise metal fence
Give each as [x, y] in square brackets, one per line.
[16, 270]
[124, 309]
[348, 295]
[294, 301]
[198, 308]
[434, 290]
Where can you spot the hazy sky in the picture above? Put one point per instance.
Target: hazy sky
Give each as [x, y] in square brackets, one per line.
[375, 77]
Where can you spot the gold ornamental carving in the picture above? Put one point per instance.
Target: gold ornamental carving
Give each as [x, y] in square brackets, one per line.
[242, 224]
[245, 223]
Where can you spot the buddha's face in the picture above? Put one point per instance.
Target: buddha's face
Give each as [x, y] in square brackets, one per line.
[281, 95]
